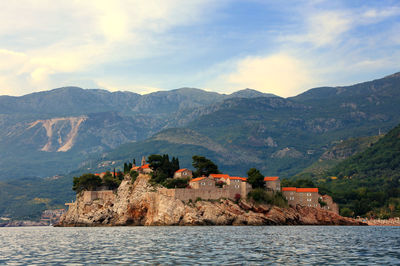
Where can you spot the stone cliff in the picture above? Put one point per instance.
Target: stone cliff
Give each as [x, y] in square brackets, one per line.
[141, 204]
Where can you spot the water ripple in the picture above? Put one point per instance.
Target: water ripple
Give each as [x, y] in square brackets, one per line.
[200, 245]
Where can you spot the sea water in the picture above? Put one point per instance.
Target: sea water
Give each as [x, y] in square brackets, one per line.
[201, 245]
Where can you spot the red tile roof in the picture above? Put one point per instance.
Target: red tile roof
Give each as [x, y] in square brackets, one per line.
[197, 179]
[145, 166]
[271, 178]
[289, 189]
[219, 175]
[314, 189]
[181, 170]
[237, 178]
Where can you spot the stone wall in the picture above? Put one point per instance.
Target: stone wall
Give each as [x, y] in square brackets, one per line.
[330, 204]
[186, 194]
[105, 195]
[273, 185]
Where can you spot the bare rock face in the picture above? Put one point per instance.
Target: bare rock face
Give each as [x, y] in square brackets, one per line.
[140, 204]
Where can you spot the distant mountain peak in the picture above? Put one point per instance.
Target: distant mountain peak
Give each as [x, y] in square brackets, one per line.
[250, 93]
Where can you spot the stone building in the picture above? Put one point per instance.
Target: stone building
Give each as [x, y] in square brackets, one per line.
[203, 182]
[103, 195]
[206, 189]
[301, 196]
[219, 177]
[144, 168]
[330, 204]
[235, 181]
[183, 173]
[272, 183]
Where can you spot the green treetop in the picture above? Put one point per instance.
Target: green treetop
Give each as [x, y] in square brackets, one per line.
[204, 166]
[255, 178]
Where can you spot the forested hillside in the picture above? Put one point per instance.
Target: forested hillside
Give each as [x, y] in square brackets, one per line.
[368, 183]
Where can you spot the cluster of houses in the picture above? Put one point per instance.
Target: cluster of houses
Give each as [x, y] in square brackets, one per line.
[214, 184]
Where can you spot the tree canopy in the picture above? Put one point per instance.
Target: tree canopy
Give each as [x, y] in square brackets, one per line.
[204, 166]
[255, 178]
[86, 182]
[162, 167]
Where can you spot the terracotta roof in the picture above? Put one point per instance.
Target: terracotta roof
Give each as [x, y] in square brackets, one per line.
[181, 170]
[271, 178]
[314, 189]
[219, 175]
[197, 179]
[145, 166]
[237, 178]
[289, 189]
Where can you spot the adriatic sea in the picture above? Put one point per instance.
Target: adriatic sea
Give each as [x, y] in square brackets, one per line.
[255, 245]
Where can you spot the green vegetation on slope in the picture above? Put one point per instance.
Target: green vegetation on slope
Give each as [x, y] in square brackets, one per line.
[368, 183]
[340, 151]
[25, 199]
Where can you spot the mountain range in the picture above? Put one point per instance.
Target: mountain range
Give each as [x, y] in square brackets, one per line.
[277, 135]
[52, 133]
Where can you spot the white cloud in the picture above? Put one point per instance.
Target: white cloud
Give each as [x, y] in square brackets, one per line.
[49, 38]
[281, 74]
[322, 28]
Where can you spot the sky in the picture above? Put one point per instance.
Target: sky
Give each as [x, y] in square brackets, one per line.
[280, 47]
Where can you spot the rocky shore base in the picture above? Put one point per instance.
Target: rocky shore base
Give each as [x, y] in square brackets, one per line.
[142, 204]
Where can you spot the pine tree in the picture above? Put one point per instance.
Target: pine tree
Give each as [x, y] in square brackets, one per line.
[125, 168]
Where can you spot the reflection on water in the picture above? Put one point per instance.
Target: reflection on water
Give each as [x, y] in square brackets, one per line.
[201, 245]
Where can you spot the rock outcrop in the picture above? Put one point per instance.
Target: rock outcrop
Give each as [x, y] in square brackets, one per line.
[141, 204]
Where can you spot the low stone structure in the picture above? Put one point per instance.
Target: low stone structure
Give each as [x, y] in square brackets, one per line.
[104, 195]
[330, 204]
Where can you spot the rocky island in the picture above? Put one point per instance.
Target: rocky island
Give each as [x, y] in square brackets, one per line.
[141, 203]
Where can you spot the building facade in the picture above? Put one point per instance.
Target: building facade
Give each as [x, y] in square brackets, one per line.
[206, 189]
[203, 182]
[183, 173]
[272, 183]
[301, 196]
